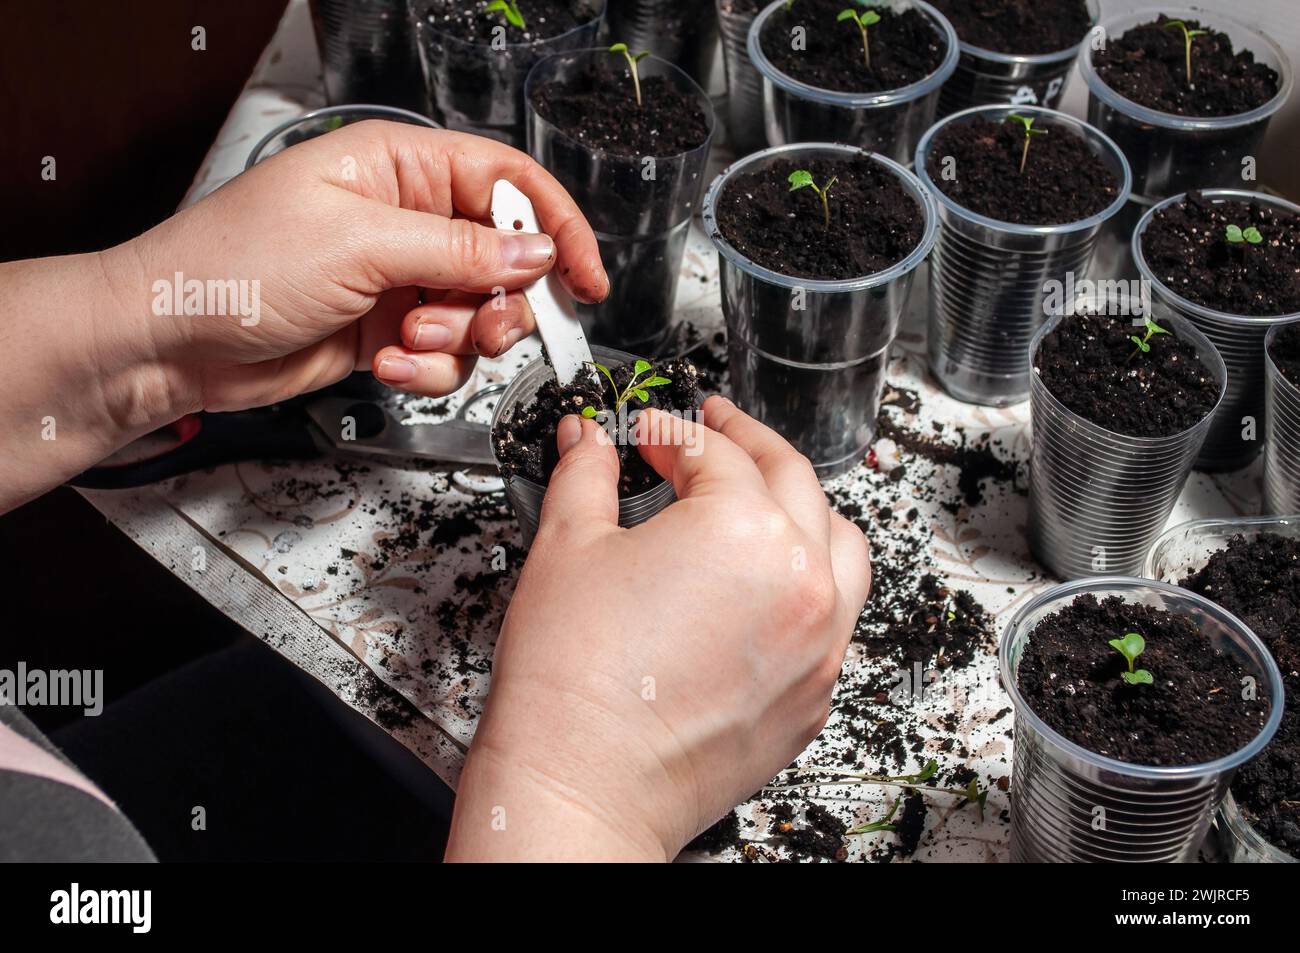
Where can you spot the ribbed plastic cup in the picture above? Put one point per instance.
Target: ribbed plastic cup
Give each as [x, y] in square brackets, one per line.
[989, 279]
[1282, 423]
[524, 495]
[367, 53]
[641, 222]
[808, 358]
[479, 88]
[320, 121]
[987, 77]
[1072, 805]
[1240, 428]
[888, 122]
[744, 84]
[683, 32]
[1097, 499]
[1171, 153]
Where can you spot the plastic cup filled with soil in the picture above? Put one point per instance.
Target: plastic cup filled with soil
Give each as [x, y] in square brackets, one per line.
[1187, 94]
[612, 391]
[683, 32]
[1014, 51]
[1251, 567]
[476, 56]
[628, 135]
[744, 102]
[1135, 703]
[868, 76]
[1226, 260]
[1282, 419]
[1118, 413]
[1023, 194]
[817, 245]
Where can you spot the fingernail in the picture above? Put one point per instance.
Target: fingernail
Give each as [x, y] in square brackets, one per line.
[568, 434]
[526, 252]
[396, 370]
[509, 340]
[429, 336]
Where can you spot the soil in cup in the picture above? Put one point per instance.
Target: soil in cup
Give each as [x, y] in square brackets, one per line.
[1092, 365]
[1191, 712]
[1020, 27]
[874, 223]
[1258, 580]
[978, 165]
[1148, 65]
[1286, 353]
[525, 443]
[1206, 251]
[904, 47]
[471, 21]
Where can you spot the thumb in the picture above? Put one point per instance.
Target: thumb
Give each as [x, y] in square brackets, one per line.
[583, 491]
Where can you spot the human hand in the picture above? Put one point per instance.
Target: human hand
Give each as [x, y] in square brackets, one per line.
[646, 680]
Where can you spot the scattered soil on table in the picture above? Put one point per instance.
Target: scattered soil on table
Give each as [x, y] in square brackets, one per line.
[1193, 713]
[1258, 580]
[1286, 353]
[1022, 27]
[719, 836]
[1148, 65]
[976, 462]
[1064, 180]
[905, 47]
[525, 443]
[874, 222]
[471, 21]
[910, 824]
[820, 838]
[1187, 249]
[1088, 364]
[599, 108]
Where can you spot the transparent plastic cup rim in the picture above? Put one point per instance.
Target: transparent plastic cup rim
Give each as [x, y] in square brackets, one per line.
[1242, 830]
[1184, 304]
[1155, 117]
[1065, 593]
[379, 112]
[1082, 128]
[443, 33]
[1220, 526]
[895, 271]
[701, 97]
[1033, 59]
[889, 97]
[1285, 383]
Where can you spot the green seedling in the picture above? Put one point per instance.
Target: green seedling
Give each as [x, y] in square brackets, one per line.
[1030, 132]
[510, 10]
[1144, 343]
[971, 792]
[880, 825]
[632, 60]
[802, 179]
[1131, 646]
[638, 387]
[1236, 235]
[861, 20]
[1188, 36]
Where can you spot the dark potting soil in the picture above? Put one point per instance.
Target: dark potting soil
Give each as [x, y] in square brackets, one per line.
[1089, 364]
[1286, 353]
[599, 108]
[874, 223]
[1194, 711]
[525, 443]
[821, 838]
[1064, 180]
[1258, 580]
[1148, 65]
[904, 47]
[1023, 27]
[1187, 248]
[470, 20]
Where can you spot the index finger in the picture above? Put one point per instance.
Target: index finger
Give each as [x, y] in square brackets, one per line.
[697, 460]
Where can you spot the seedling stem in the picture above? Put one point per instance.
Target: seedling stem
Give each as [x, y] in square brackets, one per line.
[1131, 646]
[632, 60]
[802, 179]
[1188, 36]
[1144, 343]
[1030, 131]
[861, 20]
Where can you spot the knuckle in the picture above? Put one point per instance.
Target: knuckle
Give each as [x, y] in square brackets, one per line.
[473, 246]
[813, 598]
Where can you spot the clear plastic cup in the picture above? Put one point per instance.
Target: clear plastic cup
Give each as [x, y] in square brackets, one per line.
[1171, 153]
[367, 53]
[320, 121]
[744, 84]
[816, 374]
[1238, 338]
[1150, 814]
[989, 279]
[683, 32]
[1282, 451]
[888, 122]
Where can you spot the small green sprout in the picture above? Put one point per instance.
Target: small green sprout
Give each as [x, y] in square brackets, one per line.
[861, 20]
[1030, 132]
[636, 387]
[1236, 235]
[1188, 36]
[802, 179]
[881, 825]
[1144, 343]
[632, 60]
[510, 10]
[1131, 646]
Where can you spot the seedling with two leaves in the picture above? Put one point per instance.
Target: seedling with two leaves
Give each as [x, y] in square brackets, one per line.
[1144, 343]
[803, 179]
[1030, 132]
[861, 20]
[639, 386]
[632, 60]
[1236, 235]
[1188, 36]
[1131, 646]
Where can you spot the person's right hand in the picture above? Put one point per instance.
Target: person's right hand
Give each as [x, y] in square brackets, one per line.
[647, 680]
